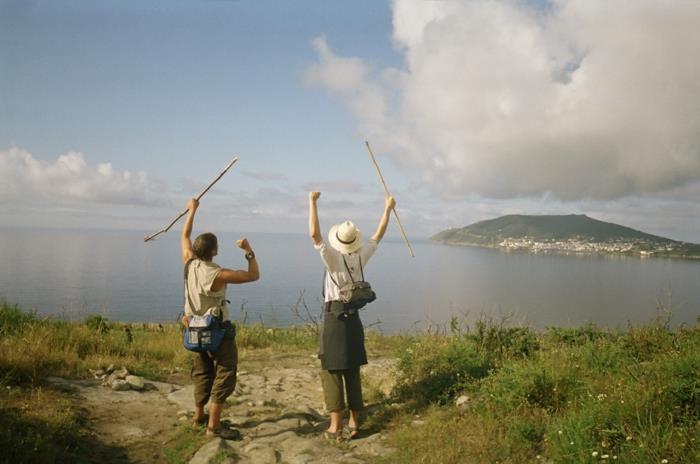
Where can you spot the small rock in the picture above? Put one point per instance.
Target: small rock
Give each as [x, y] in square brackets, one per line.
[110, 368]
[416, 423]
[260, 403]
[163, 387]
[135, 382]
[243, 373]
[211, 450]
[107, 381]
[121, 373]
[462, 401]
[119, 385]
[182, 412]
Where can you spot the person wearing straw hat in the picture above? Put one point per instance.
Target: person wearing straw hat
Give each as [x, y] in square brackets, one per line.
[213, 373]
[342, 339]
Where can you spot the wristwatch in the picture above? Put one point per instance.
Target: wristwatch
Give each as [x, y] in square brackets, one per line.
[250, 255]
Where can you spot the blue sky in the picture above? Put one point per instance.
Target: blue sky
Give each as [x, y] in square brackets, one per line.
[460, 117]
[155, 86]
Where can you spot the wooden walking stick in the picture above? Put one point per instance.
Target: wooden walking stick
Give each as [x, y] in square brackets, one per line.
[386, 189]
[228, 166]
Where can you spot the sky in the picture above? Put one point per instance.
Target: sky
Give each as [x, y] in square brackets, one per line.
[113, 114]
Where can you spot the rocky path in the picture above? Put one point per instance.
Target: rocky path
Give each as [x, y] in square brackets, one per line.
[277, 406]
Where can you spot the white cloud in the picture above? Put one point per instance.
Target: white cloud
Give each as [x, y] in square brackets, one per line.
[24, 178]
[586, 99]
[334, 186]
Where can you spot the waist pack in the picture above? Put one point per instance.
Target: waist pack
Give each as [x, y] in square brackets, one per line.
[204, 333]
[357, 293]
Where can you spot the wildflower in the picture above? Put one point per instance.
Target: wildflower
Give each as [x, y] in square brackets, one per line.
[628, 438]
[594, 453]
[622, 401]
[605, 456]
[664, 461]
[560, 432]
[571, 443]
[614, 458]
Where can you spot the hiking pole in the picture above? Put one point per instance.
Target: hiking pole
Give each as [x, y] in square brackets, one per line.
[386, 189]
[231, 163]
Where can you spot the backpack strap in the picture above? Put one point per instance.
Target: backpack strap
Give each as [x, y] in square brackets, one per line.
[187, 293]
[325, 271]
[362, 272]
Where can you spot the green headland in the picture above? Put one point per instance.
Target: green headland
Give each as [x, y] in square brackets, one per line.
[571, 233]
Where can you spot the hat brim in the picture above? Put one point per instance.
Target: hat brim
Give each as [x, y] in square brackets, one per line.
[345, 248]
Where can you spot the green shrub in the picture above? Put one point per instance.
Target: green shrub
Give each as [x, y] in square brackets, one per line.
[575, 335]
[97, 323]
[504, 341]
[528, 433]
[13, 320]
[434, 370]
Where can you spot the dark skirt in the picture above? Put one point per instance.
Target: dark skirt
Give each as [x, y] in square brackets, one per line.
[342, 339]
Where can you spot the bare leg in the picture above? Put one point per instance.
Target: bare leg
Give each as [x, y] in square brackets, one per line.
[215, 415]
[336, 422]
[354, 421]
[198, 413]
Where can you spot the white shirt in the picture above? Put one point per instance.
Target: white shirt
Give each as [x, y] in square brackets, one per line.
[333, 260]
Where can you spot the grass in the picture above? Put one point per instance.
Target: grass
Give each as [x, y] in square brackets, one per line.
[575, 395]
[42, 425]
[560, 395]
[38, 424]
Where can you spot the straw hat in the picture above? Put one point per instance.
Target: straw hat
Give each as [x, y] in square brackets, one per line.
[345, 237]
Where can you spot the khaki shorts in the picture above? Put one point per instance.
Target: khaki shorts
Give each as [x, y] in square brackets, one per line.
[214, 374]
[333, 393]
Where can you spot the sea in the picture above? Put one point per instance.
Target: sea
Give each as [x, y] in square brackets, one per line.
[71, 274]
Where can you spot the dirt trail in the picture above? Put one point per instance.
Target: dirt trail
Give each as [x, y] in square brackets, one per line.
[277, 406]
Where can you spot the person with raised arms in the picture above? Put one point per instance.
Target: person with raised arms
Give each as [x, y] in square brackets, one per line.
[342, 338]
[213, 372]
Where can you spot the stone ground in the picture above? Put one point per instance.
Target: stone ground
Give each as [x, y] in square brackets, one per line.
[277, 406]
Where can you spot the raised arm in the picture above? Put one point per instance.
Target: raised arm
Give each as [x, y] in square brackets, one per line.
[185, 240]
[389, 204]
[314, 227]
[232, 276]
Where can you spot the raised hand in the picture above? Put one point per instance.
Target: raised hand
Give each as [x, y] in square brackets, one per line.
[243, 244]
[193, 204]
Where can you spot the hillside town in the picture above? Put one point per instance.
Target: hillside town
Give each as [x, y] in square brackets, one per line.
[585, 245]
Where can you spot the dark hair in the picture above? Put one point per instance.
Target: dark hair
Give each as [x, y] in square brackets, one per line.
[205, 246]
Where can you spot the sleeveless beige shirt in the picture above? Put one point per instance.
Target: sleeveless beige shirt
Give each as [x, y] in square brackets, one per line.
[199, 297]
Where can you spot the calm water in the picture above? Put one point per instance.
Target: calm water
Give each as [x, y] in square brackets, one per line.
[116, 274]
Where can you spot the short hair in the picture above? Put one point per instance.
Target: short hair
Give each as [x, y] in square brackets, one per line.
[205, 246]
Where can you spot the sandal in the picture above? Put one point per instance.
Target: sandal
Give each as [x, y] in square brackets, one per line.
[225, 433]
[355, 433]
[334, 436]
